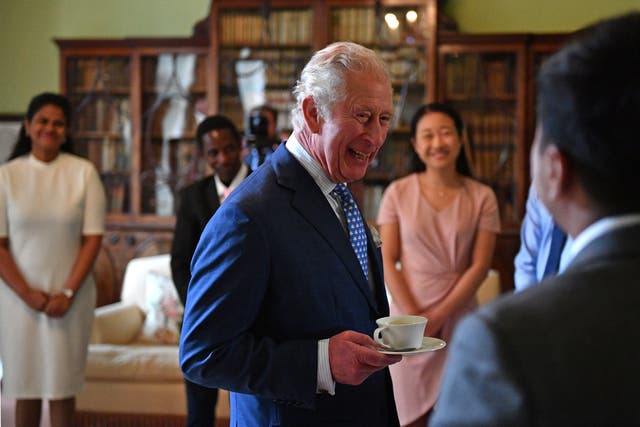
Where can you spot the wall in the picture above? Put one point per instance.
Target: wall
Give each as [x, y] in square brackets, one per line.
[28, 27]
[539, 16]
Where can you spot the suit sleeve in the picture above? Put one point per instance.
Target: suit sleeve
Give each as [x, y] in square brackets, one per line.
[479, 386]
[222, 340]
[185, 240]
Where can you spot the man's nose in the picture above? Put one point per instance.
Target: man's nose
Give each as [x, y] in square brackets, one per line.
[378, 132]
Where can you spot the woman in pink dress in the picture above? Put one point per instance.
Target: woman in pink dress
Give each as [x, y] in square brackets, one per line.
[438, 229]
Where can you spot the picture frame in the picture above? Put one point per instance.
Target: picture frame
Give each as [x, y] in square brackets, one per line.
[9, 129]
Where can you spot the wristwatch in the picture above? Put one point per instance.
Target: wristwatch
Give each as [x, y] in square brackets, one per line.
[68, 293]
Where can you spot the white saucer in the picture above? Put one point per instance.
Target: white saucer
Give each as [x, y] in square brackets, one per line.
[428, 344]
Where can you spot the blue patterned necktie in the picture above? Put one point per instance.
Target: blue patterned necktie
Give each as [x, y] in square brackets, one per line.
[357, 234]
[558, 238]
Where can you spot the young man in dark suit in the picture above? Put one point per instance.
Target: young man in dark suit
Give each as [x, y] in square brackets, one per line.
[566, 352]
[221, 145]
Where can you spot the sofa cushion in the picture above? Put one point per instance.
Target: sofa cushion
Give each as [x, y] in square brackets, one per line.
[134, 362]
[164, 310]
[133, 282]
[117, 323]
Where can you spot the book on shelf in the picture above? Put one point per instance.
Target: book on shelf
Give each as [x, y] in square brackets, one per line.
[461, 74]
[492, 139]
[354, 24]
[288, 26]
[116, 194]
[495, 77]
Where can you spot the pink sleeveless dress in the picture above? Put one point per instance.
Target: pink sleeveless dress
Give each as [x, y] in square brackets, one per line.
[436, 249]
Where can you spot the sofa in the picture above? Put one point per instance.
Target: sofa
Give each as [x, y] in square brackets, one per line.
[132, 374]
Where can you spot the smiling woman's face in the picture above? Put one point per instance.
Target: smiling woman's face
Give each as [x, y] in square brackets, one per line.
[437, 141]
[47, 130]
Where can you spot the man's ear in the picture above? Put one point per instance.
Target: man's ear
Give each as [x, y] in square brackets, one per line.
[558, 171]
[311, 114]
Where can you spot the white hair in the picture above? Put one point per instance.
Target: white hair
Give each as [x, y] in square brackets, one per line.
[324, 77]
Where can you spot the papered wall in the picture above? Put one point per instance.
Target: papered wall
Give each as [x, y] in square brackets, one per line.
[28, 27]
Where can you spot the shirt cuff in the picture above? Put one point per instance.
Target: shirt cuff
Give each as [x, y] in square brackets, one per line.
[326, 384]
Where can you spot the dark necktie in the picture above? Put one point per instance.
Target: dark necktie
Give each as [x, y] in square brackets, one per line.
[357, 234]
[558, 238]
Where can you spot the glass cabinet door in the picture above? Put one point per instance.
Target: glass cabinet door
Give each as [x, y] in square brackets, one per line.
[484, 88]
[173, 103]
[261, 55]
[99, 90]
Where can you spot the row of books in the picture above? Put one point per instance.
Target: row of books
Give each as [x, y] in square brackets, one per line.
[280, 99]
[356, 24]
[393, 160]
[282, 27]
[361, 25]
[471, 74]
[99, 74]
[108, 154]
[150, 71]
[154, 116]
[109, 114]
[117, 191]
[492, 139]
[281, 67]
[405, 64]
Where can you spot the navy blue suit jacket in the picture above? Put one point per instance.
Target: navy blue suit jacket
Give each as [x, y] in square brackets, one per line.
[273, 273]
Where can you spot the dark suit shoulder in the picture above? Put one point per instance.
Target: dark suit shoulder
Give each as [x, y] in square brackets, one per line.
[198, 186]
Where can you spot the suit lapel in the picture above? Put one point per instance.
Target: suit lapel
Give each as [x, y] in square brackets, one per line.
[211, 192]
[309, 201]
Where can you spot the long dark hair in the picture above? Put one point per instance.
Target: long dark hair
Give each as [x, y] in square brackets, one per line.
[462, 163]
[23, 143]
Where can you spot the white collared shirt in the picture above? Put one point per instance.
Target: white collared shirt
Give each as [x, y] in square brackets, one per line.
[240, 176]
[317, 173]
[599, 228]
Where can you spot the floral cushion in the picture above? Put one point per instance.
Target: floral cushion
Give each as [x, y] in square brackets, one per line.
[164, 310]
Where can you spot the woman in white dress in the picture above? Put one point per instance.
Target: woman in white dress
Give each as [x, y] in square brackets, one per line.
[52, 212]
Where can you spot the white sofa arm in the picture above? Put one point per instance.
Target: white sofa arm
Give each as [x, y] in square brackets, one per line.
[117, 323]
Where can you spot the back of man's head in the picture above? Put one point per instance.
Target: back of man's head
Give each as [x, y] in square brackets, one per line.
[589, 107]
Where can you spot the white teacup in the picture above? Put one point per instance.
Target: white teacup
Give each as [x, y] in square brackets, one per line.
[400, 332]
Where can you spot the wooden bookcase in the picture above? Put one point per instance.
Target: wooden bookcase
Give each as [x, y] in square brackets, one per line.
[135, 105]
[259, 53]
[137, 102]
[490, 79]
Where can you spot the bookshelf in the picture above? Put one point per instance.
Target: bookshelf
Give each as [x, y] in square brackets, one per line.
[136, 103]
[401, 33]
[263, 50]
[486, 85]
[137, 100]
[490, 79]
